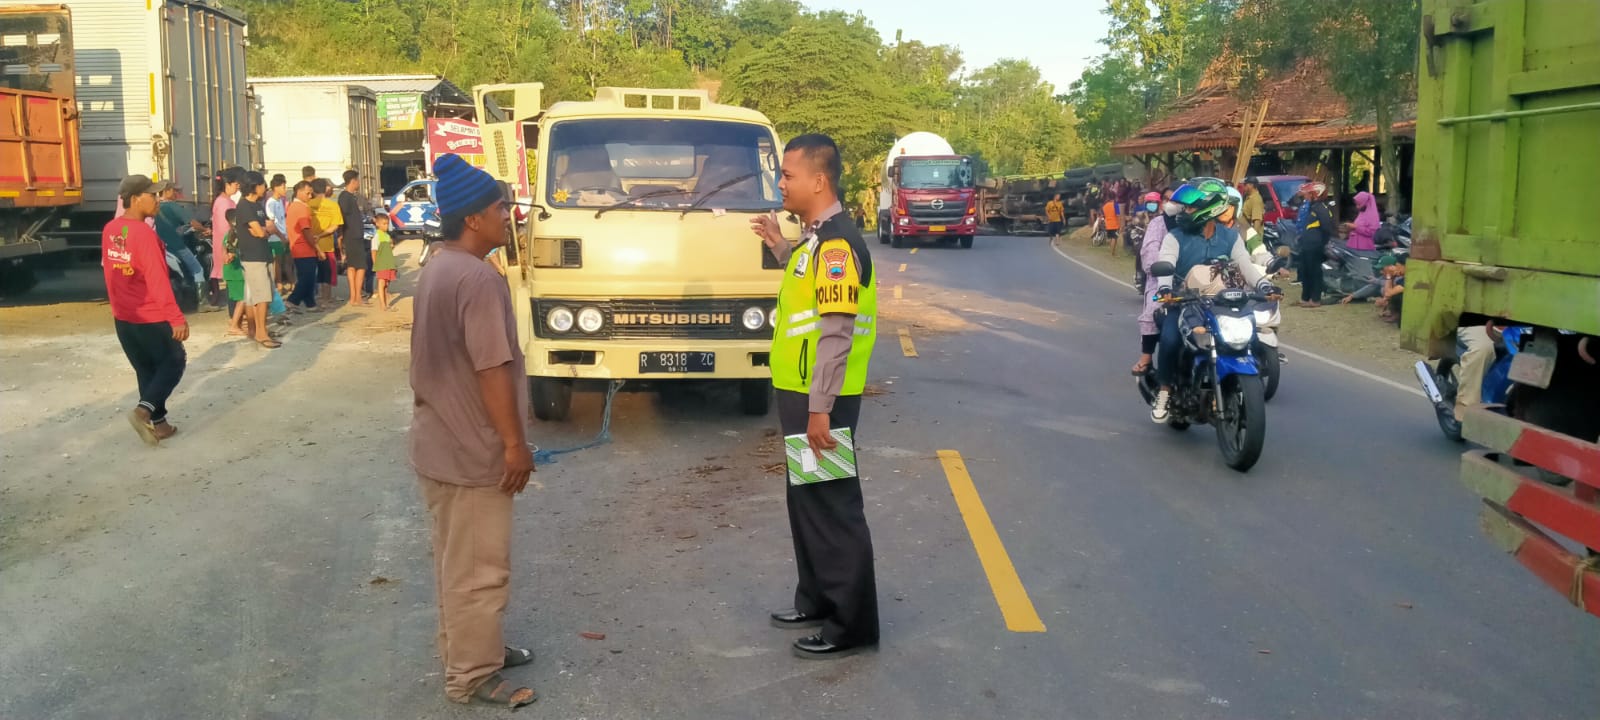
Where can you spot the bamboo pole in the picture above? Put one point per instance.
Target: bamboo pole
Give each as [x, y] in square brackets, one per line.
[1249, 135]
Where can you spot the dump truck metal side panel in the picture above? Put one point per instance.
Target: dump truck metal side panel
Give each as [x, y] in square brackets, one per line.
[1508, 106]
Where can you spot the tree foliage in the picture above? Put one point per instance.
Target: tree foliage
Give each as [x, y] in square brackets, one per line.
[1368, 48]
[808, 71]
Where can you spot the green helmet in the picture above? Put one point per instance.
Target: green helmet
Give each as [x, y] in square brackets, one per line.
[1203, 199]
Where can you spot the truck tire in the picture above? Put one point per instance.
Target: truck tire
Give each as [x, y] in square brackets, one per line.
[897, 241]
[884, 229]
[16, 278]
[966, 242]
[551, 398]
[755, 397]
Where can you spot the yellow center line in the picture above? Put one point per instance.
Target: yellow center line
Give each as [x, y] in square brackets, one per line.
[905, 343]
[1015, 606]
[897, 294]
[913, 251]
[902, 267]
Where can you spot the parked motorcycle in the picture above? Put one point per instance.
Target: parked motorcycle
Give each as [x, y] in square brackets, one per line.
[1442, 385]
[1218, 382]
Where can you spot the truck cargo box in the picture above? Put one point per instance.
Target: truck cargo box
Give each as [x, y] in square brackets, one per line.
[161, 92]
[39, 164]
[330, 126]
[1508, 131]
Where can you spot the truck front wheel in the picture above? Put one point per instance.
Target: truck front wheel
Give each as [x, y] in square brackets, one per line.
[551, 398]
[755, 397]
[966, 242]
[885, 230]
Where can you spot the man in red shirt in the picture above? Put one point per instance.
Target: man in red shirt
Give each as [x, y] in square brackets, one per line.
[149, 324]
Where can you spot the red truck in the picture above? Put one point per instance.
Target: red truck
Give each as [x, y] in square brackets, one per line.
[927, 193]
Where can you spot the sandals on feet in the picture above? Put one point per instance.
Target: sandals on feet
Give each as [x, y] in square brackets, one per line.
[496, 691]
[269, 343]
[518, 656]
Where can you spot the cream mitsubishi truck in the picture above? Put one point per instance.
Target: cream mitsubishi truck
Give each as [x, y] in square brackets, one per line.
[634, 258]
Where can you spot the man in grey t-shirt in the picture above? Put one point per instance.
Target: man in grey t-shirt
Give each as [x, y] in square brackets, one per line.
[468, 438]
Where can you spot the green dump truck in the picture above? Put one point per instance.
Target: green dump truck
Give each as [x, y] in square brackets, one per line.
[1508, 144]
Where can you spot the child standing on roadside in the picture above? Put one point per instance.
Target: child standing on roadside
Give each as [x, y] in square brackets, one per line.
[382, 257]
[233, 277]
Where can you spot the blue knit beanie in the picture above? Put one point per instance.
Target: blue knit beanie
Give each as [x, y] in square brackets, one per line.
[462, 189]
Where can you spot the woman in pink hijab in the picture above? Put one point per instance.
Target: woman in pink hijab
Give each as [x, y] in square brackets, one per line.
[1367, 222]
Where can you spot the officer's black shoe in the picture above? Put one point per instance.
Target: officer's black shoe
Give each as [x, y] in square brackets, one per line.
[792, 619]
[814, 647]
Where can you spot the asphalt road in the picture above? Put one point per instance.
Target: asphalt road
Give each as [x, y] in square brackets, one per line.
[1342, 577]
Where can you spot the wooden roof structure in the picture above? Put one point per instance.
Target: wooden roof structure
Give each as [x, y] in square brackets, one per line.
[1303, 111]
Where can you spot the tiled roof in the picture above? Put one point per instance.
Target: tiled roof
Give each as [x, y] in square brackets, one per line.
[1302, 111]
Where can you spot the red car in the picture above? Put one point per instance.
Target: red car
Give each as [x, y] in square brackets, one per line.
[1276, 191]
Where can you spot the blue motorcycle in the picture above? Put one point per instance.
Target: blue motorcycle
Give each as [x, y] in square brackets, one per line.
[1218, 382]
[1442, 384]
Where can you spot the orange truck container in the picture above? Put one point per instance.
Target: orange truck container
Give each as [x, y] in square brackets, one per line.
[41, 168]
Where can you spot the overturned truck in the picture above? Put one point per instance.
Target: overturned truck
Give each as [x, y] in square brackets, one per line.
[1014, 204]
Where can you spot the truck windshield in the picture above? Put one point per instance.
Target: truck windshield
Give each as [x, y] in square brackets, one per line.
[655, 164]
[935, 174]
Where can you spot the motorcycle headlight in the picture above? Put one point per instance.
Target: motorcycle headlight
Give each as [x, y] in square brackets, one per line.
[1262, 316]
[559, 319]
[754, 318]
[590, 320]
[1237, 332]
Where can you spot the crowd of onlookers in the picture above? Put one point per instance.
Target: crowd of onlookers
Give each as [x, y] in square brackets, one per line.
[277, 251]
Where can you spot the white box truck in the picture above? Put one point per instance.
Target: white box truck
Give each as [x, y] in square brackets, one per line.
[329, 125]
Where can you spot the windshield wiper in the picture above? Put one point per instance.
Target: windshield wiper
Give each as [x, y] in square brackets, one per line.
[632, 200]
[724, 186]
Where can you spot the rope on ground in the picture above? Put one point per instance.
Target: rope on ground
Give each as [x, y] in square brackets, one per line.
[548, 457]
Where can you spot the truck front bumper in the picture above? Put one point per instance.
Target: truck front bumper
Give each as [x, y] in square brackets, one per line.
[619, 359]
[965, 226]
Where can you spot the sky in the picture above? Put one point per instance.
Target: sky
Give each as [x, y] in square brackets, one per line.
[1057, 36]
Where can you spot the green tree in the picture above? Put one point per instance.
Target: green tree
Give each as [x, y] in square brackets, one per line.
[1112, 100]
[1368, 48]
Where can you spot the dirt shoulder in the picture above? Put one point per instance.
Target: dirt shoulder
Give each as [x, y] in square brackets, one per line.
[1351, 334]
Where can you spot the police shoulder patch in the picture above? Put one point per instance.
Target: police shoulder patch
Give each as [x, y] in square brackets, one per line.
[833, 263]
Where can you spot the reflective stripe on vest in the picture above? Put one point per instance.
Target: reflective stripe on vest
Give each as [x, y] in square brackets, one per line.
[794, 341]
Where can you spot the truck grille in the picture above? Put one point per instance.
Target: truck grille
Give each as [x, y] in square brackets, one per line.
[701, 318]
[924, 213]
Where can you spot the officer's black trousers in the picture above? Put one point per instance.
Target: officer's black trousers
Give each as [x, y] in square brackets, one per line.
[832, 545]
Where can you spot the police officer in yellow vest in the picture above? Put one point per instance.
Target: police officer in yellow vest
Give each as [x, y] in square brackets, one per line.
[827, 313]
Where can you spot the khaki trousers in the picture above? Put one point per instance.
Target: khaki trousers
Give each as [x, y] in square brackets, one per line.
[472, 576]
[1474, 363]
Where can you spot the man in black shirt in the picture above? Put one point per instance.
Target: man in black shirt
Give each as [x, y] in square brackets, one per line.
[252, 230]
[357, 252]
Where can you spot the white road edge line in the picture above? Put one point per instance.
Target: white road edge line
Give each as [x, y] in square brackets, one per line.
[1335, 363]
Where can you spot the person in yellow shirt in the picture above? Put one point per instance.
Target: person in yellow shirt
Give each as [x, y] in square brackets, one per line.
[325, 222]
[1056, 212]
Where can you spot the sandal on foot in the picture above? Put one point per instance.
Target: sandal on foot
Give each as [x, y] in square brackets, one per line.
[140, 420]
[496, 691]
[518, 656]
[165, 430]
[269, 343]
[1140, 367]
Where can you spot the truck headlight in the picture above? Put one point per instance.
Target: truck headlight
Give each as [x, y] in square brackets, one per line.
[970, 220]
[772, 317]
[905, 221]
[590, 320]
[559, 319]
[1237, 332]
[754, 318]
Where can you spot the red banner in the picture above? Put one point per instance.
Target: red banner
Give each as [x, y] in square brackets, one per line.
[461, 137]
